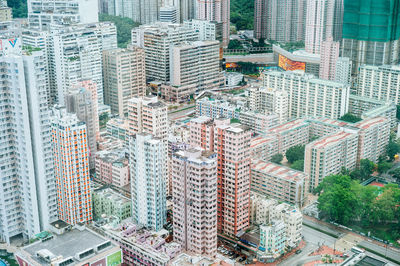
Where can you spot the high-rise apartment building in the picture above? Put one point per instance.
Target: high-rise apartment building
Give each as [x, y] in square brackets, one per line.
[232, 145]
[379, 82]
[328, 155]
[156, 40]
[216, 10]
[42, 14]
[70, 61]
[343, 70]
[323, 20]
[371, 32]
[270, 101]
[28, 189]
[148, 162]
[329, 57]
[71, 167]
[149, 115]
[373, 138]
[81, 100]
[146, 11]
[279, 20]
[309, 96]
[194, 67]
[122, 8]
[194, 186]
[124, 75]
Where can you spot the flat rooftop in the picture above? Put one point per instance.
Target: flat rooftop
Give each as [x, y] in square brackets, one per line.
[367, 123]
[331, 139]
[277, 170]
[291, 125]
[67, 244]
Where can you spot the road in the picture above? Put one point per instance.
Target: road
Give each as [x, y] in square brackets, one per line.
[313, 238]
[389, 252]
[176, 115]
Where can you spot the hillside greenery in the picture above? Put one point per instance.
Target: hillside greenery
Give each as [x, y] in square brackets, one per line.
[124, 27]
[242, 14]
[19, 8]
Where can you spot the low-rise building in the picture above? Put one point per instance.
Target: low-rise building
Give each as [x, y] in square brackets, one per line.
[141, 246]
[67, 245]
[279, 182]
[112, 167]
[272, 241]
[109, 202]
[118, 128]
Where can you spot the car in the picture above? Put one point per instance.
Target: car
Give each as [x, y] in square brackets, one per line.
[242, 259]
[298, 251]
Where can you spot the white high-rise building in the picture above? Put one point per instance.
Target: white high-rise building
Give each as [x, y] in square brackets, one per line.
[329, 57]
[169, 14]
[194, 186]
[194, 67]
[309, 96]
[379, 82]
[216, 10]
[75, 53]
[207, 30]
[27, 189]
[156, 40]
[43, 13]
[343, 70]
[148, 166]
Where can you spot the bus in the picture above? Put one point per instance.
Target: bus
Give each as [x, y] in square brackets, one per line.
[357, 250]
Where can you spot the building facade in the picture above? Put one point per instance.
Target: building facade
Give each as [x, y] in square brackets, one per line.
[282, 21]
[148, 162]
[216, 10]
[309, 96]
[71, 167]
[28, 187]
[369, 37]
[112, 168]
[194, 186]
[147, 114]
[124, 74]
[156, 39]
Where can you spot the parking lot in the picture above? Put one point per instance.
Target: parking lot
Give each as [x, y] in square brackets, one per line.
[231, 252]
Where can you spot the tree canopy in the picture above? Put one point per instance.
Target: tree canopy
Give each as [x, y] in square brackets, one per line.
[344, 200]
[298, 165]
[277, 158]
[19, 8]
[242, 14]
[124, 28]
[295, 153]
[350, 118]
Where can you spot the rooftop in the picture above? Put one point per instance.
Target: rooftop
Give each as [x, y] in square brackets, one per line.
[291, 125]
[370, 122]
[66, 245]
[332, 139]
[277, 170]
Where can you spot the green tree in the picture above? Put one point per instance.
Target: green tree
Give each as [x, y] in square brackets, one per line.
[298, 165]
[295, 153]
[398, 112]
[350, 118]
[383, 167]
[339, 198]
[366, 169]
[393, 148]
[277, 158]
[124, 28]
[395, 173]
[235, 44]
[19, 8]
[242, 14]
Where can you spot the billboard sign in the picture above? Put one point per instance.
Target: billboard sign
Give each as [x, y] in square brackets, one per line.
[287, 64]
[114, 259]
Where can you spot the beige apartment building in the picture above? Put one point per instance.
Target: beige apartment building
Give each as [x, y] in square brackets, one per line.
[124, 72]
